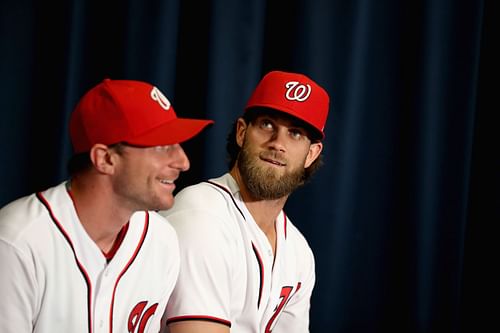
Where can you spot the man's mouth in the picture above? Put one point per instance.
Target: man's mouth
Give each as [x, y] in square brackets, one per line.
[273, 159]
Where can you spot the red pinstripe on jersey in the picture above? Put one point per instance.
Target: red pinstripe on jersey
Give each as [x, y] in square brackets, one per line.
[230, 195]
[206, 318]
[86, 277]
[134, 256]
[261, 268]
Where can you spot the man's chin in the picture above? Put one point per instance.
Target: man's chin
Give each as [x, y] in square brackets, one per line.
[164, 205]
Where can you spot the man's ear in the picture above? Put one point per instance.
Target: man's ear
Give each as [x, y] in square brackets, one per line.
[241, 128]
[313, 153]
[102, 158]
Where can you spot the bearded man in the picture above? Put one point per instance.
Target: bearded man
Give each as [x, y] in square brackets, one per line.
[245, 267]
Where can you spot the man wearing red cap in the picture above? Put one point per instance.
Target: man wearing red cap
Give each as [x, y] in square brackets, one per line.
[245, 268]
[90, 254]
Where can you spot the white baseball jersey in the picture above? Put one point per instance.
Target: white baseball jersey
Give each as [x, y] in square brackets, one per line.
[228, 272]
[55, 279]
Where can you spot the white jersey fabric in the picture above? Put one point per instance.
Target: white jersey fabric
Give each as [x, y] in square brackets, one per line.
[228, 272]
[55, 279]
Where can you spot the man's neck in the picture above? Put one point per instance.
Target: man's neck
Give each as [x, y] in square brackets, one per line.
[99, 215]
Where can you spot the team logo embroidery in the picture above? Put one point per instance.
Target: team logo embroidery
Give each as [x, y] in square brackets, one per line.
[139, 317]
[285, 296]
[157, 96]
[297, 92]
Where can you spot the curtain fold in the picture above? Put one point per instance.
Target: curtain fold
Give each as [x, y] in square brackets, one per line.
[399, 213]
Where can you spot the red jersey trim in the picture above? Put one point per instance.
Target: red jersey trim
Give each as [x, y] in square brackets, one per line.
[86, 277]
[116, 245]
[139, 246]
[230, 195]
[285, 223]
[202, 318]
[261, 271]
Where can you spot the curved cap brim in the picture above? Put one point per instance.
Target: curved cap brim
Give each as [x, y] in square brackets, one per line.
[175, 131]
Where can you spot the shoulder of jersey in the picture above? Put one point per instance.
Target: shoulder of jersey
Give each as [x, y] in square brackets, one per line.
[202, 208]
[295, 235]
[200, 196]
[159, 225]
[20, 214]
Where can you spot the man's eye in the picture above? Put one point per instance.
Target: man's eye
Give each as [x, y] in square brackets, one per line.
[266, 124]
[296, 134]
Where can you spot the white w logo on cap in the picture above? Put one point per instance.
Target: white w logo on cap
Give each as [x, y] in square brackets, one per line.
[297, 92]
[157, 95]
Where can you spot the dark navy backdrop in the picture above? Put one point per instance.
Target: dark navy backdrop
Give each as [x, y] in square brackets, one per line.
[400, 217]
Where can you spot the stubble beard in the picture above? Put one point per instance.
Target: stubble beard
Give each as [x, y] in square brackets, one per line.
[138, 199]
[266, 183]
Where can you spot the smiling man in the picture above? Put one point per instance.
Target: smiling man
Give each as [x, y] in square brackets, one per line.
[245, 268]
[91, 254]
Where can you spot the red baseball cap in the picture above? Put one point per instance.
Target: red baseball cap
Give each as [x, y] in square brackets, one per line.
[295, 94]
[128, 111]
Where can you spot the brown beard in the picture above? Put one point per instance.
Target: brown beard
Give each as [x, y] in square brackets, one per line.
[264, 183]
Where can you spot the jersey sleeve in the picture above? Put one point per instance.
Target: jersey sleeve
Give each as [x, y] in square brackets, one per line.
[165, 242]
[17, 287]
[205, 241]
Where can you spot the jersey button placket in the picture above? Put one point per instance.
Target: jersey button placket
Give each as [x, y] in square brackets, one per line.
[102, 301]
